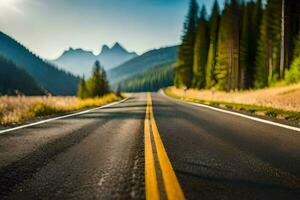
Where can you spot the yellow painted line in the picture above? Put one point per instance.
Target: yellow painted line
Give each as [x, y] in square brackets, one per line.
[171, 184]
[151, 185]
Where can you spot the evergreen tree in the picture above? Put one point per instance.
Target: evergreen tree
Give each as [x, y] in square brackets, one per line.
[97, 85]
[254, 13]
[227, 68]
[212, 53]
[234, 30]
[184, 64]
[245, 47]
[268, 56]
[223, 53]
[201, 51]
[104, 81]
[82, 89]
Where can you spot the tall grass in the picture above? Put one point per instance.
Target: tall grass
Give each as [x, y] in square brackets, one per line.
[285, 98]
[277, 102]
[14, 110]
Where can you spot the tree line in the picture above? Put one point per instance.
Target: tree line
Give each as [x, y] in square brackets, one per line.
[152, 80]
[246, 45]
[96, 86]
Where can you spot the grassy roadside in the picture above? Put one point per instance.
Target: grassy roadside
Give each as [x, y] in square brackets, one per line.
[14, 110]
[291, 116]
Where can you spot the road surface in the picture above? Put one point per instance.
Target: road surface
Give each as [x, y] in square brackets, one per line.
[150, 147]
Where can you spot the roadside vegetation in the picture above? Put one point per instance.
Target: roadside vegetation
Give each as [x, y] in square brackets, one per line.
[276, 102]
[17, 109]
[244, 57]
[244, 46]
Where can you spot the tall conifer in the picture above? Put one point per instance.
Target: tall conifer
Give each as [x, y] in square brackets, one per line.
[212, 52]
[185, 58]
[201, 51]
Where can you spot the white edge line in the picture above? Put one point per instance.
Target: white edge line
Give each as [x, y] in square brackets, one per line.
[61, 117]
[236, 114]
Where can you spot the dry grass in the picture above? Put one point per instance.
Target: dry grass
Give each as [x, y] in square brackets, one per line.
[14, 110]
[285, 98]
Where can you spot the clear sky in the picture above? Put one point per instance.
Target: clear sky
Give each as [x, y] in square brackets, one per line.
[48, 27]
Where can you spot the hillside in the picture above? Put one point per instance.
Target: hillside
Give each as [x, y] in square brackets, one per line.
[142, 63]
[80, 62]
[45, 74]
[152, 80]
[12, 80]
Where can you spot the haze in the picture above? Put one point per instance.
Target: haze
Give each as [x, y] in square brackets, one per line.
[49, 27]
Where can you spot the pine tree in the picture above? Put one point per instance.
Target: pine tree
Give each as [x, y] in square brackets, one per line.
[227, 68]
[268, 57]
[223, 54]
[262, 62]
[82, 89]
[212, 53]
[234, 28]
[246, 47]
[201, 51]
[184, 64]
[255, 12]
[97, 84]
[104, 82]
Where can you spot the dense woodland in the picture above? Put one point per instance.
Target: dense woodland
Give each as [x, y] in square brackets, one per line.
[246, 45]
[96, 86]
[159, 77]
[16, 81]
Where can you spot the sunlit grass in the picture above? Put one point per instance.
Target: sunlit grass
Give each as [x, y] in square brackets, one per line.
[14, 110]
[285, 98]
[279, 102]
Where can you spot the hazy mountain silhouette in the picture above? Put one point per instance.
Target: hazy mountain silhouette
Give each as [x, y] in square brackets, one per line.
[14, 80]
[45, 74]
[142, 64]
[80, 62]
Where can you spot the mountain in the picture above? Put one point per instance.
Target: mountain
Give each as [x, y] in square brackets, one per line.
[152, 80]
[77, 61]
[12, 80]
[80, 62]
[142, 64]
[54, 80]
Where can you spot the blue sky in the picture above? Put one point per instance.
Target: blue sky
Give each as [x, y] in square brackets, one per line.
[48, 27]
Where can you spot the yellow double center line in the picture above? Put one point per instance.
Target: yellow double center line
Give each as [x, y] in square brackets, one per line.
[170, 182]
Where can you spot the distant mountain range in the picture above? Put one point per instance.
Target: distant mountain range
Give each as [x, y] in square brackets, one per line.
[45, 75]
[80, 62]
[141, 64]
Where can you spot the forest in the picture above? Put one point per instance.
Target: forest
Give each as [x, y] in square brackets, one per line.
[249, 44]
[14, 85]
[152, 80]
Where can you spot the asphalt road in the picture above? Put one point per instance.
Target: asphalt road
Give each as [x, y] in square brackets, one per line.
[101, 155]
